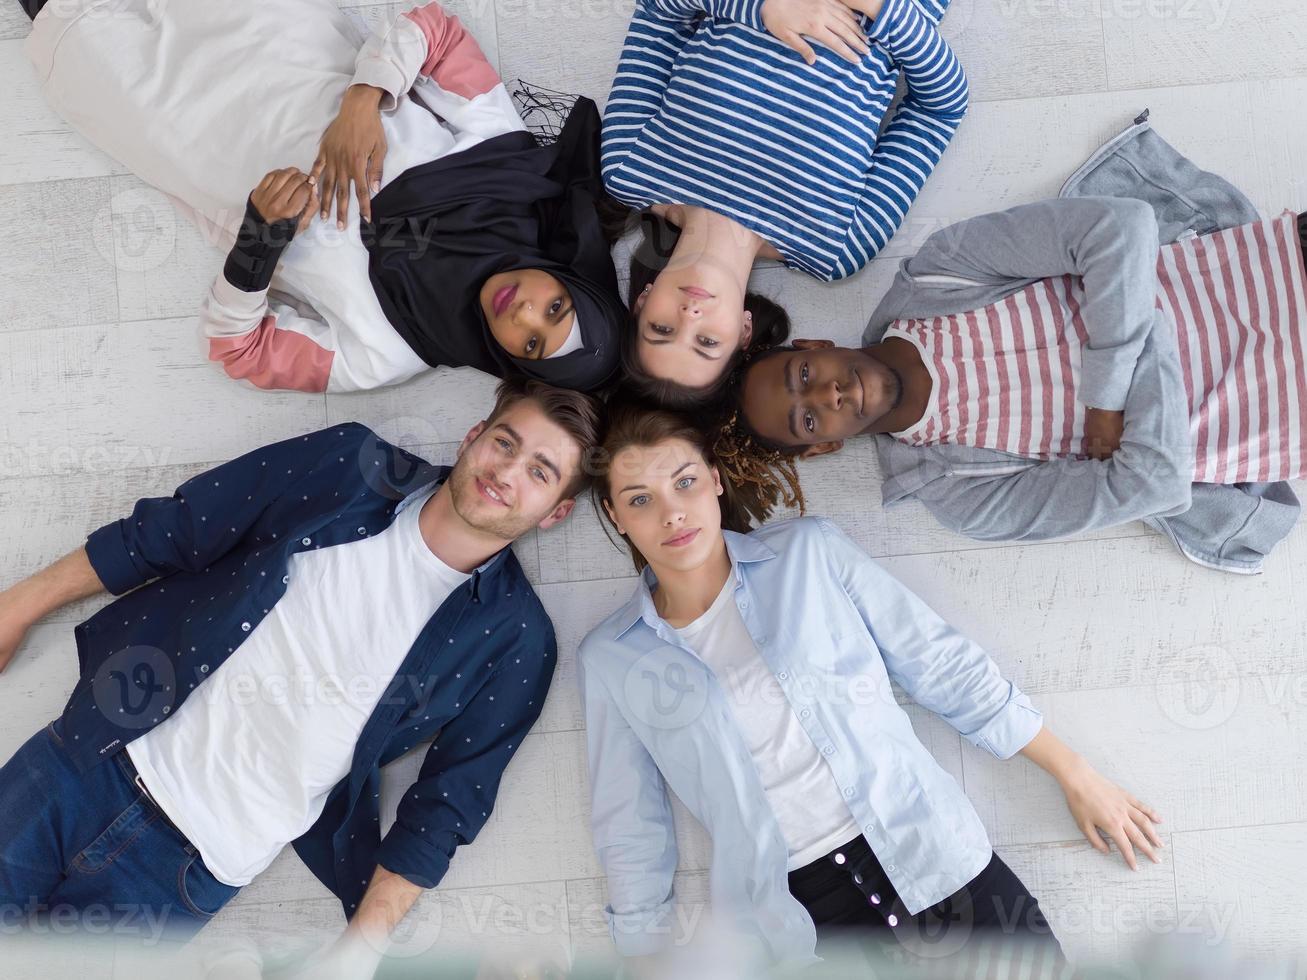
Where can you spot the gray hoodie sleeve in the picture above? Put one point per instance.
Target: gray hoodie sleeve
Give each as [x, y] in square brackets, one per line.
[1148, 476]
[1110, 242]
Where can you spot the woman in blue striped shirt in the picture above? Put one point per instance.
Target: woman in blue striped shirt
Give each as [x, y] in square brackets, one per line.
[723, 120]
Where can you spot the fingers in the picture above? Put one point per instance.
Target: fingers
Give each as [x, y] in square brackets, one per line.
[1145, 808]
[1094, 837]
[1137, 838]
[326, 189]
[374, 167]
[310, 209]
[342, 201]
[839, 45]
[1144, 824]
[797, 42]
[362, 191]
[1122, 843]
[851, 22]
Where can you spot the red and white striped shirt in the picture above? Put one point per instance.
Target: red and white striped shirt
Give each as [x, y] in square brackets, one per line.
[1007, 376]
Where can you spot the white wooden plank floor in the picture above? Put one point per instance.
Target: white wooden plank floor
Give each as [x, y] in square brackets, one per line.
[1188, 686]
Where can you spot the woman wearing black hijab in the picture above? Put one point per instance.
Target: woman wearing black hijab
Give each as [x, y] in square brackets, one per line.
[459, 237]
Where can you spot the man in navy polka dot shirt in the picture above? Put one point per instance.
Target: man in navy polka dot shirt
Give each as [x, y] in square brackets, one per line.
[337, 601]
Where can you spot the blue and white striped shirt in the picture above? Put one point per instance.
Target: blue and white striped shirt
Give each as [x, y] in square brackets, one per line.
[709, 109]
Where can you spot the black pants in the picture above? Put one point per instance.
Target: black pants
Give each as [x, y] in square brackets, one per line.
[992, 918]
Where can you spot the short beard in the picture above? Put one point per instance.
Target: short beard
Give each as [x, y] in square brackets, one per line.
[462, 488]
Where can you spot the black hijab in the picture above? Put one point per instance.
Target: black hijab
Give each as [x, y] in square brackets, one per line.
[439, 231]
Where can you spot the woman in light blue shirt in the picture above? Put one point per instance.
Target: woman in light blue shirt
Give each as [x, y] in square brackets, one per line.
[750, 675]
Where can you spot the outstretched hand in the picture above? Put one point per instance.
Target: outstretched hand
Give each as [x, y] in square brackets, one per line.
[1104, 810]
[831, 23]
[352, 150]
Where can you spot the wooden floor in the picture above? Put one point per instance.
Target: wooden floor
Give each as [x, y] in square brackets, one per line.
[1187, 686]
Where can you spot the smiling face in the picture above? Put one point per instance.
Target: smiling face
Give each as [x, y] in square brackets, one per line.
[529, 311]
[689, 321]
[515, 473]
[664, 498]
[817, 395]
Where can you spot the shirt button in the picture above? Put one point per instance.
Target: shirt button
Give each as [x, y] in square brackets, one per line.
[804, 713]
[307, 541]
[245, 627]
[363, 530]
[782, 676]
[840, 858]
[829, 750]
[285, 579]
[848, 793]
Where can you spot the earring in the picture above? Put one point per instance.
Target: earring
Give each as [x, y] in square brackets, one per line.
[647, 286]
[748, 316]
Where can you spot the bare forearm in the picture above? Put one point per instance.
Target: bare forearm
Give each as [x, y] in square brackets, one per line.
[387, 900]
[1053, 755]
[67, 580]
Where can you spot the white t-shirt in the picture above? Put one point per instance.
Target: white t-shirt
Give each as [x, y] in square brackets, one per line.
[245, 765]
[799, 785]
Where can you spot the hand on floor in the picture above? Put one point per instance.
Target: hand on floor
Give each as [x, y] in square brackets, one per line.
[1104, 810]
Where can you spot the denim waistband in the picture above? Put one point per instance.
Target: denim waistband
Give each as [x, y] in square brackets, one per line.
[124, 761]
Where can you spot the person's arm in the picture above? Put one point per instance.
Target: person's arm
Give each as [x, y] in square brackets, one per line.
[422, 42]
[1149, 475]
[660, 29]
[922, 127]
[935, 664]
[952, 676]
[1098, 805]
[23, 604]
[460, 775]
[270, 345]
[1110, 243]
[631, 822]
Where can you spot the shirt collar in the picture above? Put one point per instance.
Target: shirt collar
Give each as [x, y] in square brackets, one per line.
[742, 549]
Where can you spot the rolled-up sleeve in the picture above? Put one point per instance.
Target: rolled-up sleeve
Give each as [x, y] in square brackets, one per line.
[208, 514]
[459, 780]
[631, 819]
[938, 667]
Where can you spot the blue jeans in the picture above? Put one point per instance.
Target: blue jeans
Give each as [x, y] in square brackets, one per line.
[90, 852]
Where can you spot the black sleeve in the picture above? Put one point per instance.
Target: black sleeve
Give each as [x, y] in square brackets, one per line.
[259, 245]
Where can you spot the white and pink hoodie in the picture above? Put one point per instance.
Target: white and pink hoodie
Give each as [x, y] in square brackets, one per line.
[201, 99]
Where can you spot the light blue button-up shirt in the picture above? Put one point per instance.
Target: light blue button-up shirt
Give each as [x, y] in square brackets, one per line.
[834, 628]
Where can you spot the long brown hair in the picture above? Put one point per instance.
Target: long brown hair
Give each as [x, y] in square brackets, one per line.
[754, 481]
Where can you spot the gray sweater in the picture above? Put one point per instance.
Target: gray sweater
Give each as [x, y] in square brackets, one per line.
[1133, 195]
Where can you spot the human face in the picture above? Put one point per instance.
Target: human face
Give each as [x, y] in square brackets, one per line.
[529, 311]
[664, 498]
[689, 321]
[817, 395]
[513, 473]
